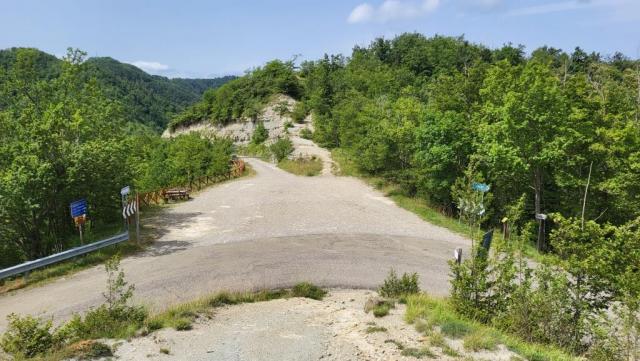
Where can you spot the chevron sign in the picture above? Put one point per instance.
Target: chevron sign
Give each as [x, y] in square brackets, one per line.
[129, 209]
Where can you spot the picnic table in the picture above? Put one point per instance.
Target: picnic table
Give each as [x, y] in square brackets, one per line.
[176, 194]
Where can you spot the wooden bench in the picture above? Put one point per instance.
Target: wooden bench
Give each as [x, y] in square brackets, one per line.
[176, 194]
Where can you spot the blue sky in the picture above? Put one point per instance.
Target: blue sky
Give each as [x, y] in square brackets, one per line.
[197, 38]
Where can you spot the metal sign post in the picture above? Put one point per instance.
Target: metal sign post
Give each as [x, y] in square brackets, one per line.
[79, 215]
[124, 193]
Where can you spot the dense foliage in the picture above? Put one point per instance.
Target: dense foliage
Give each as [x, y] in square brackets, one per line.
[61, 139]
[419, 111]
[243, 97]
[149, 99]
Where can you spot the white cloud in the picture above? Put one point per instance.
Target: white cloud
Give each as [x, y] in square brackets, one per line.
[391, 10]
[150, 66]
[361, 14]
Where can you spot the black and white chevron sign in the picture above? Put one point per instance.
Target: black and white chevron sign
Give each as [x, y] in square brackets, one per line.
[129, 209]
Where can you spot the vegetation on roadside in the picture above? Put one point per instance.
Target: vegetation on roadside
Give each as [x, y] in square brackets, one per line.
[305, 166]
[64, 139]
[437, 319]
[28, 337]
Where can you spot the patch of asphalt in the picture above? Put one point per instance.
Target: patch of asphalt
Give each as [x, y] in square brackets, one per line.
[271, 230]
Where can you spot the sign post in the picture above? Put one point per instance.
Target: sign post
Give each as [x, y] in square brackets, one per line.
[79, 215]
[124, 193]
[137, 218]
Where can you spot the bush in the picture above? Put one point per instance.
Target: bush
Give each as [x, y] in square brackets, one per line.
[382, 309]
[306, 133]
[396, 287]
[183, 324]
[28, 336]
[281, 148]
[299, 112]
[260, 134]
[308, 290]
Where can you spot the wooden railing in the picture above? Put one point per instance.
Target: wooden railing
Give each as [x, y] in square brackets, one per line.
[160, 196]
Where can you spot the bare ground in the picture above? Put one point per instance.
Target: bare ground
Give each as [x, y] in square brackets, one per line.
[294, 329]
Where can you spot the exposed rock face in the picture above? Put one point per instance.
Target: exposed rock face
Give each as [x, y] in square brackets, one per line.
[241, 130]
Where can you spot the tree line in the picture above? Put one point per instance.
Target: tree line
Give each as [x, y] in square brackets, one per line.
[63, 138]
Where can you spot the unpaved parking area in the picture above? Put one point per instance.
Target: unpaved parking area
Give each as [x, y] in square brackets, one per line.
[270, 230]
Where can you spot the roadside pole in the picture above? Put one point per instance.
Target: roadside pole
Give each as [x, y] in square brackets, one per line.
[137, 218]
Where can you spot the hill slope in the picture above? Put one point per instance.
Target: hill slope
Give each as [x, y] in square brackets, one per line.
[149, 99]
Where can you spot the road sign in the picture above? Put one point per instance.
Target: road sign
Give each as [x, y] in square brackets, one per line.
[480, 187]
[129, 209]
[541, 217]
[124, 191]
[78, 208]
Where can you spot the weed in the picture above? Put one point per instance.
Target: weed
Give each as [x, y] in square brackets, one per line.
[437, 340]
[381, 310]
[183, 324]
[455, 328]
[373, 329]
[396, 287]
[308, 290]
[398, 344]
[165, 350]
[308, 167]
[480, 340]
[418, 353]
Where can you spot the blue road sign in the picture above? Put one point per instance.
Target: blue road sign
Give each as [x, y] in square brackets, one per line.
[78, 208]
[481, 187]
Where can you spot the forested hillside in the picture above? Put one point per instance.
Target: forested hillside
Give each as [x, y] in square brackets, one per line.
[549, 135]
[421, 111]
[150, 99]
[64, 136]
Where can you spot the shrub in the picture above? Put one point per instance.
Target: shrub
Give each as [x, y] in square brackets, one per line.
[381, 310]
[308, 290]
[260, 134]
[396, 287]
[183, 324]
[306, 133]
[299, 112]
[28, 336]
[281, 148]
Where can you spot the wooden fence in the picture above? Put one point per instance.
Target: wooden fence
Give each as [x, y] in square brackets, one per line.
[159, 196]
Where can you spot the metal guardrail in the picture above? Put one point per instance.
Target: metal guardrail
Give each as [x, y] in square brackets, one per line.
[54, 258]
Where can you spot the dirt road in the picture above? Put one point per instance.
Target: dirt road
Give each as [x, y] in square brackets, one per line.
[270, 230]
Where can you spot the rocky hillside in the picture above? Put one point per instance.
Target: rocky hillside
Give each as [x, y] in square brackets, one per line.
[275, 116]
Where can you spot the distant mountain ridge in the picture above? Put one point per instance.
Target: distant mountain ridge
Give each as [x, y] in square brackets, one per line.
[151, 100]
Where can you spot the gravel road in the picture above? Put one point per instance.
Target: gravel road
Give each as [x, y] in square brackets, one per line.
[270, 230]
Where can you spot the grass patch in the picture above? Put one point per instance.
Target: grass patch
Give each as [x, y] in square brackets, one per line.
[381, 310]
[436, 312]
[308, 290]
[178, 316]
[374, 329]
[418, 352]
[260, 151]
[165, 350]
[302, 166]
[480, 340]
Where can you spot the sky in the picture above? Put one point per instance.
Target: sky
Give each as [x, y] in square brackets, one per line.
[198, 38]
